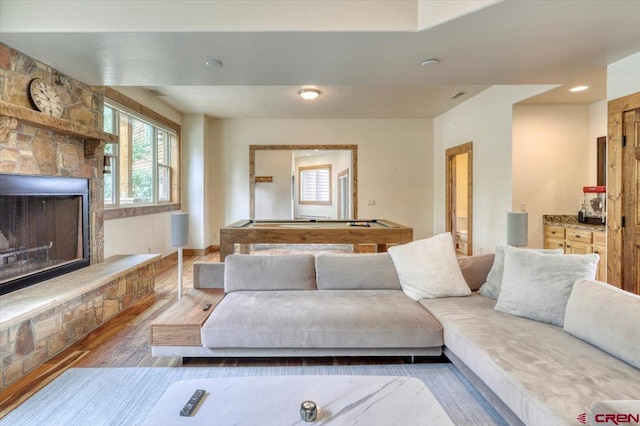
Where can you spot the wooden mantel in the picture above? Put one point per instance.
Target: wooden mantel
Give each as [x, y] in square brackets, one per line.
[92, 137]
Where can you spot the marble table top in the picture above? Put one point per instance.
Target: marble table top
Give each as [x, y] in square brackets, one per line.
[275, 400]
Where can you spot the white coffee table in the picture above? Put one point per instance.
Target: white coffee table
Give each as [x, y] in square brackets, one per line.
[275, 400]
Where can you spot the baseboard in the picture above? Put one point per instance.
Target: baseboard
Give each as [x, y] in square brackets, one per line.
[201, 252]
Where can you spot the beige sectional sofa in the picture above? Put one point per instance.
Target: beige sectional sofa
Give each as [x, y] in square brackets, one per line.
[534, 373]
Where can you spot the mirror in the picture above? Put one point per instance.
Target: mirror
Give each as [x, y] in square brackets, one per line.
[303, 182]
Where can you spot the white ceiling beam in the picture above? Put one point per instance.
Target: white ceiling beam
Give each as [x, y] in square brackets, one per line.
[41, 16]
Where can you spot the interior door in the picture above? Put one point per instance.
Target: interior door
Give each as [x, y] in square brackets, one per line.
[459, 195]
[630, 199]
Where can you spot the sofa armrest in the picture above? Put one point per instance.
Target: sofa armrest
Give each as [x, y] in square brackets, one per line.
[208, 275]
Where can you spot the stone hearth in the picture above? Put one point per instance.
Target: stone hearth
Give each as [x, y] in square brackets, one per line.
[40, 321]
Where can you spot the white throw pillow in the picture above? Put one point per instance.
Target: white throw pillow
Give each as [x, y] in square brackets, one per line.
[491, 287]
[429, 268]
[538, 286]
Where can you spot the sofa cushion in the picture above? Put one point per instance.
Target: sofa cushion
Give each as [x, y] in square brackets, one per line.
[286, 272]
[475, 269]
[546, 376]
[491, 288]
[320, 319]
[537, 286]
[606, 317]
[429, 268]
[356, 272]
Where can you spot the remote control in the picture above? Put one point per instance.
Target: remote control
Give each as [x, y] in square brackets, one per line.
[190, 406]
[206, 307]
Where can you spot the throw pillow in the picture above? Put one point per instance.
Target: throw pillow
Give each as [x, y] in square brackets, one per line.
[428, 268]
[491, 287]
[538, 286]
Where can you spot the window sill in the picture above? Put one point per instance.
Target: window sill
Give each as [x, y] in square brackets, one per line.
[111, 213]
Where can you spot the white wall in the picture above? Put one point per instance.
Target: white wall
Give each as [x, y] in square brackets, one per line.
[273, 199]
[597, 127]
[138, 235]
[551, 151]
[394, 158]
[196, 176]
[623, 77]
[484, 120]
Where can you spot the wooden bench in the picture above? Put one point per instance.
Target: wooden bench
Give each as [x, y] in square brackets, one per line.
[180, 324]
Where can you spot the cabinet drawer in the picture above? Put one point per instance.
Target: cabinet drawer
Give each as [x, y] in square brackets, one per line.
[579, 235]
[553, 243]
[600, 238]
[578, 248]
[554, 232]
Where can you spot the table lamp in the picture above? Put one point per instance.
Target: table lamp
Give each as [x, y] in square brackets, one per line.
[179, 238]
[517, 228]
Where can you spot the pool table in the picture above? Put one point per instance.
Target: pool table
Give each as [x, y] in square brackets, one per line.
[311, 231]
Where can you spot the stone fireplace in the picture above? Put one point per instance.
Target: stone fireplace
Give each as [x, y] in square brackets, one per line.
[44, 223]
[55, 229]
[32, 147]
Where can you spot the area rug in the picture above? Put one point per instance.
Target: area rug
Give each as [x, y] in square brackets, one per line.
[125, 396]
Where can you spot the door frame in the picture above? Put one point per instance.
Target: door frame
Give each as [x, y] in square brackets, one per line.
[450, 179]
[342, 175]
[252, 170]
[615, 196]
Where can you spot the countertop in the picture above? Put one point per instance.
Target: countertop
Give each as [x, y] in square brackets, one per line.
[570, 221]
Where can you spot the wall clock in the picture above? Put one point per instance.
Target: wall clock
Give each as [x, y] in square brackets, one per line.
[45, 97]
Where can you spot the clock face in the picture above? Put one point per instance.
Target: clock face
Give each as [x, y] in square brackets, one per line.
[45, 97]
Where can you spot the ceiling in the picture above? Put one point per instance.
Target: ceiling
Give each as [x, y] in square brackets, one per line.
[364, 56]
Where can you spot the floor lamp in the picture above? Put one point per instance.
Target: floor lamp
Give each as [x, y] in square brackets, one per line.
[517, 228]
[179, 238]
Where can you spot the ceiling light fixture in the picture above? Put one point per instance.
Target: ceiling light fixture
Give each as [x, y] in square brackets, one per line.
[213, 63]
[578, 88]
[308, 94]
[431, 61]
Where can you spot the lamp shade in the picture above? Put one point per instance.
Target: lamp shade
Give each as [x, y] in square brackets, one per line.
[517, 228]
[179, 229]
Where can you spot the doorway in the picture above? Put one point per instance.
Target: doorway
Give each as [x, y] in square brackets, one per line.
[459, 197]
[288, 161]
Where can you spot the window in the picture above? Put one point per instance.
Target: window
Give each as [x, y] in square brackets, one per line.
[315, 184]
[141, 163]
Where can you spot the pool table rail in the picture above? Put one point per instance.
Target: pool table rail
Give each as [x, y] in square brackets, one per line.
[247, 232]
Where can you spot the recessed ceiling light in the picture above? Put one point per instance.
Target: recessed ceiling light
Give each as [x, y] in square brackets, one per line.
[213, 63]
[308, 94]
[578, 88]
[431, 61]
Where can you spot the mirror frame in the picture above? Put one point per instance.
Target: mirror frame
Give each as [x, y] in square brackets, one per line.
[252, 170]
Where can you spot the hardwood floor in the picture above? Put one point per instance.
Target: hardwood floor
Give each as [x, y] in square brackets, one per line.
[124, 342]
[121, 342]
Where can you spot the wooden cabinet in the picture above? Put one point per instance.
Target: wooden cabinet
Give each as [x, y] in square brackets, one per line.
[554, 237]
[579, 241]
[180, 324]
[600, 247]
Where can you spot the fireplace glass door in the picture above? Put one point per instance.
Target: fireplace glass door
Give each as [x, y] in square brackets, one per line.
[38, 234]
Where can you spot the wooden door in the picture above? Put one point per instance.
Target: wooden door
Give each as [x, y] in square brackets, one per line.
[623, 180]
[451, 213]
[630, 198]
